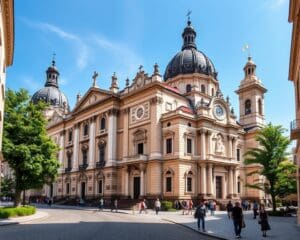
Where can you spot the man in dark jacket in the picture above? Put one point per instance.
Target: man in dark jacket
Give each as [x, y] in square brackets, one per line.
[200, 214]
[237, 217]
[229, 207]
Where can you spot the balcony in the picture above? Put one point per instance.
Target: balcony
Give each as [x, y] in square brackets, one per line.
[68, 169]
[100, 164]
[138, 157]
[295, 129]
[83, 166]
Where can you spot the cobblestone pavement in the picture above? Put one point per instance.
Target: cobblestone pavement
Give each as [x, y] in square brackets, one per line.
[64, 224]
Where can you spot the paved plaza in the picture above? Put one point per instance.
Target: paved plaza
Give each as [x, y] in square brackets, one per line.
[63, 222]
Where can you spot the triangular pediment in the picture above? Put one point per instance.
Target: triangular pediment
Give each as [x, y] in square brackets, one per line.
[92, 96]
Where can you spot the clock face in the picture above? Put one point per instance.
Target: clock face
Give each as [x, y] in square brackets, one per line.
[219, 112]
[139, 112]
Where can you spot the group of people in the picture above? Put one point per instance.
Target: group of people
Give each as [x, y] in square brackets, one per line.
[236, 213]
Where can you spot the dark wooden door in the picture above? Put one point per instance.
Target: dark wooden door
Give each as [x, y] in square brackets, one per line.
[218, 187]
[136, 187]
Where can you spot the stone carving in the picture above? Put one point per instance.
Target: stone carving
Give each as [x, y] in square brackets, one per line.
[219, 147]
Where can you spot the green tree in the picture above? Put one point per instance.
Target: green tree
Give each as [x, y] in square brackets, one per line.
[7, 187]
[271, 155]
[30, 152]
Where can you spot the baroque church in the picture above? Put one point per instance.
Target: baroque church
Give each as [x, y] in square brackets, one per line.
[173, 136]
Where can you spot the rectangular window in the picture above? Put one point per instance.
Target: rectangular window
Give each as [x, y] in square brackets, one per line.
[189, 146]
[239, 187]
[169, 145]
[68, 188]
[140, 148]
[100, 186]
[84, 156]
[70, 136]
[238, 154]
[189, 184]
[168, 184]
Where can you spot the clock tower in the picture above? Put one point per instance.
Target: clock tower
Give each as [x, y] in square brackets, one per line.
[251, 98]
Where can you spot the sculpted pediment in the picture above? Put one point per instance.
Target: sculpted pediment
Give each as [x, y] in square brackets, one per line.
[90, 98]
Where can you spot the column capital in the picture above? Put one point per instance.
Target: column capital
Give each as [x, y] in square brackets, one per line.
[203, 165]
[126, 110]
[209, 132]
[62, 133]
[156, 100]
[113, 111]
[77, 125]
[92, 119]
[202, 131]
[142, 167]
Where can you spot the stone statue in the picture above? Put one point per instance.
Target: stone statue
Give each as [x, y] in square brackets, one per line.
[220, 148]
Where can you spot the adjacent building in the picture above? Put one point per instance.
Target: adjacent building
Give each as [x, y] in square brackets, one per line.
[173, 136]
[294, 75]
[6, 57]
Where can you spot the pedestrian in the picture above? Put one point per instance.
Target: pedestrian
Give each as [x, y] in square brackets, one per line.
[200, 214]
[176, 204]
[184, 207]
[237, 217]
[255, 209]
[190, 207]
[157, 206]
[263, 220]
[116, 205]
[143, 206]
[101, 204]
[229, 207]
[212, 207]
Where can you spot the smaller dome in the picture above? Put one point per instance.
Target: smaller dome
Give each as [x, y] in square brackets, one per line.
[51, 93]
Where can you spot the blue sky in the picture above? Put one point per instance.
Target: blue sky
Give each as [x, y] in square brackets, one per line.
[118, 36]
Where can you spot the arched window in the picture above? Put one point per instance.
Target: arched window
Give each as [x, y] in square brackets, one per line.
[247, 106]
[84, 156]
[86, 130]
[102, 123]
[168, 181]
[203, 88]
[259, 107]
[70, 136]
[188, 88]
[69, 158]
[213, 92]
[189, 181]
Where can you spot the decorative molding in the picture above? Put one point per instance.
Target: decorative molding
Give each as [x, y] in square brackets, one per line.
[113, 111]
[156, 100]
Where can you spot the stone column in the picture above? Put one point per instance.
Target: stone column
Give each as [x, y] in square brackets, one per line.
[126, 181]
[234, 181]
[203, 144]
[224, 190]
[156, 130]
[209, 147]
[112, 137]
[125, 132]
[61, 150]
[229, 146]
[91, 160]
[76, 147]
[142, 186]
[210, 180]
[230, 181]
[234, 144]
[203, 179]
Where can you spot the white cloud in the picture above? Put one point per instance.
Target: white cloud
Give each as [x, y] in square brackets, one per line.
[31, 83]
[81, 47]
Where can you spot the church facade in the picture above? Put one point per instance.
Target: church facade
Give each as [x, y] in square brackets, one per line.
[173, 136]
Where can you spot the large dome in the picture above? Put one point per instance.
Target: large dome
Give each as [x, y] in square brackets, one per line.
[51, 93]
[189, 59]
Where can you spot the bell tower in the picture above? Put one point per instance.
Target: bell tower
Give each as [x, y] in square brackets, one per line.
[251, 98]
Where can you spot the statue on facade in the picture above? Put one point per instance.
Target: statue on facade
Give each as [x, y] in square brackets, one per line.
[219, 148]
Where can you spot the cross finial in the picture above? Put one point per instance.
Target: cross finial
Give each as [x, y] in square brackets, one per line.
[140, 67]
[95, 75]
[53, 58]
[188, 15]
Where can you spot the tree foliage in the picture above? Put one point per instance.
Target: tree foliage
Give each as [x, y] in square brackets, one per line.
[271, 155]
[26, 146]
[7, 187]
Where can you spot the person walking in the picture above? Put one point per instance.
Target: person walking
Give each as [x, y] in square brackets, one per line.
[229, 207]
[255, 209]
[263, 220]
[184, 207]
[237, 217]
[157, 205]
[101, 204]
[212, 207]
[143, 206]
[200, 214]
[116, 205]
[190, 207]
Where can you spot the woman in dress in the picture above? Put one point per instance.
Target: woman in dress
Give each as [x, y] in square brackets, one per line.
[263, 220]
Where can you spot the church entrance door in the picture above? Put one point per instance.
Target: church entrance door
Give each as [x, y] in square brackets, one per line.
[136, 187]
[83, 190]
[218, 187]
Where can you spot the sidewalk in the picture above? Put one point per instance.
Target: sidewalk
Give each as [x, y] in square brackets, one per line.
[18, 220]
